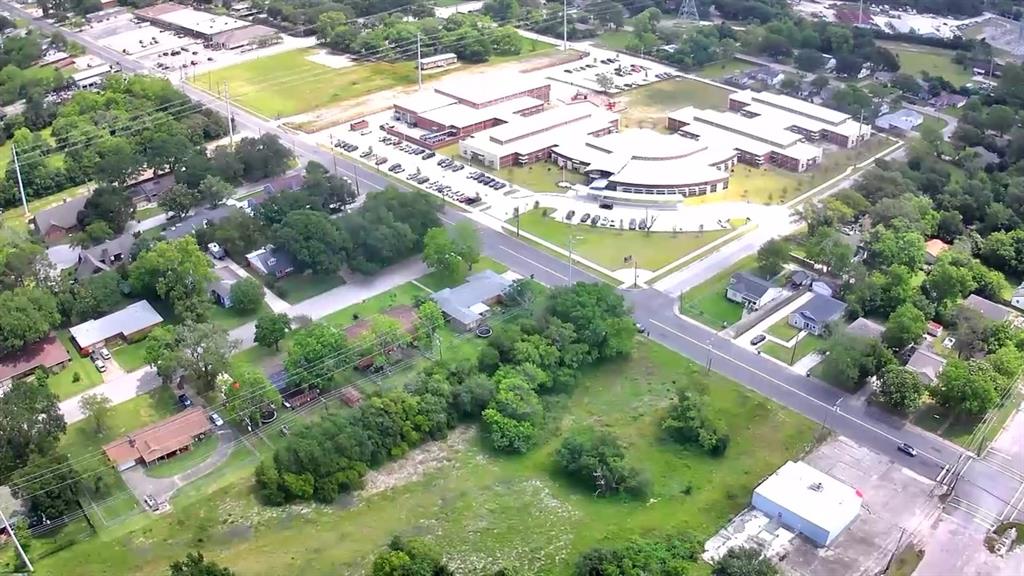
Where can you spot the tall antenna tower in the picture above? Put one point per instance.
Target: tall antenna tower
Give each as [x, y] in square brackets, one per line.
[1020, 32]
[688, 11]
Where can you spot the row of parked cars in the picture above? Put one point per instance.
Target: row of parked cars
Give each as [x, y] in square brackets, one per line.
[598, 220]
[448, 192]
[98, 356]
[346, 146]
[486, 180]
[418, 177]
[186, 402]
[449, 164]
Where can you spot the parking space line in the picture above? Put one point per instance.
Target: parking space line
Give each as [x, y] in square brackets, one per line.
[1003, 469]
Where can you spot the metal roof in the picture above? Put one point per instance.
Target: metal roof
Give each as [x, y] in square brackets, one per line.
[128, 320]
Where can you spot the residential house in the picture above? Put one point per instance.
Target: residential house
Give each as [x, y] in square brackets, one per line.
[816, 314]
[48, 354]
[933, 249]
[149, 187]
[131, 323]
[58, 222]
[901, 121]
[750, 291]
[983, 157]
[271, 261]
[989, 309]
[865, 328]
[468, 304]
[1017, 300]
[220, 286]
[105, 256]
[934, 329]
[159, 440]
[948, 100]
[800, 279]
[406, 317]
[926, 364]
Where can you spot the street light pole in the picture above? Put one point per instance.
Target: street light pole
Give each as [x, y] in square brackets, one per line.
[571, 236]
[707, 368]
[565, 25]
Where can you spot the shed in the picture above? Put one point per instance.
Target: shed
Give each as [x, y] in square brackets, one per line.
[808, 501]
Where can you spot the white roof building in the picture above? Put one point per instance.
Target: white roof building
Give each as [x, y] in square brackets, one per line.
[808, 501]
[759, 136]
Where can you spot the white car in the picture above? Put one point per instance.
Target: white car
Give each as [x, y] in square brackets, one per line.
[105, 353]
[216, 419]
[100, 365]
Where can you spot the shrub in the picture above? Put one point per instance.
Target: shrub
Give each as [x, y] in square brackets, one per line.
[689, 423]
[597, 459]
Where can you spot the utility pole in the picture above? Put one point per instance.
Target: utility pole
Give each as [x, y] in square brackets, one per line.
[17, 170]
[707, 368]
[688, 11]
[565, 28]
[860, 14]
[231, 118]
[419, 63]
[21, 552]
[571, 236]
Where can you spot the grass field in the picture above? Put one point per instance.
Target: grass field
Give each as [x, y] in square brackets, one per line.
[706, 302]
[720, 70]
[63, 384]
[297, 287]
[130, 357]
[767, 185]
[230, 318]
[15, 216]
[805, 346]
[615, 39]
[782, 330]
[540, 177]
[481, 510]
[933, 121]
[288, 83]
[609, 247]
[915, 59]
[649, 104]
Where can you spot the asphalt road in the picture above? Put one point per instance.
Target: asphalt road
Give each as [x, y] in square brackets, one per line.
[655, 310]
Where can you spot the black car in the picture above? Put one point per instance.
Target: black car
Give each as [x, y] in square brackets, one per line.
[429, 155]
[595, 221]
[757, 339]
[585, 218]
[184, 400]
[569, 215]
[632, 223]
[642, 225]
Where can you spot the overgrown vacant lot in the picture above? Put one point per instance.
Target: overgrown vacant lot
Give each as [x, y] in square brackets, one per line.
[481, 509]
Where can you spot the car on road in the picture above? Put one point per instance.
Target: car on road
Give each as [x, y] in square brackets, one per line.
[99, 364]
[906, 449]
[184, 400]
[757, 339]
[216, 419]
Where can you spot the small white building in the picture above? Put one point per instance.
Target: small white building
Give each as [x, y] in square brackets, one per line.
[808, 501]
[438, 61]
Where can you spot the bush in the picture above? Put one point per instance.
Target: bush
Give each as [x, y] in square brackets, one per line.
[76, 377]
[688, 423]
[669, 556]
[596, 458]
[246, 295]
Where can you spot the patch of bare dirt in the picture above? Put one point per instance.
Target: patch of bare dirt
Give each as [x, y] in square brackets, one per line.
[417, 463]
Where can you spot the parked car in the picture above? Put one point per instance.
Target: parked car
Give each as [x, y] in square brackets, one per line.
[585, 218]
[429, 155]
[184, 400]
[906, 449]
[757, 339]
[569, 215]
[104, 353]
[99, 364]
[381, 160]
[216, 419]
[632, 223]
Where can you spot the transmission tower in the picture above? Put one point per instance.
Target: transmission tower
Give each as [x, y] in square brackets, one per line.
[688, 11]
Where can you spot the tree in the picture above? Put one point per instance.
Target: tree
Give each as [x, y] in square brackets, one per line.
[317, 350]
[1000, 118]
[49, 482]
[214, 190]
[429, 319]
[316, 241]
[851, 360]
[819, 82]
[177, 271]
[246, 295]
[597, 459]
[439, 254]
[605, 81]
[238, 233]
[163, 353]
[248, 391]
[905, 326]
[205, 353]
[900, 388]
[97, 407]
[271, 329]
[744, 561]
[110, 205]
[31, 422]
[809, 60]
[827, 247]
[848, 65]
[179, 200]
[598, 314]
[772, 256]
[906, 83]
[195, 564]
[972, 386]
[891, 247]
[411, 557]
[688, 422]
[92, 297]
[971, 329]
[263, 157]
[117, 162]
[28, 315]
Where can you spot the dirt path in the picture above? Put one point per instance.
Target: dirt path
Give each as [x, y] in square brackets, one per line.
[342, 112]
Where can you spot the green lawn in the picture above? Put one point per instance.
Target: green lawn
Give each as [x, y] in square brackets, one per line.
[768, 185]
[782, 330]
[720, 70]
[15, 215]
[297, 287]
[230, 318]
[805, 346]
[200, 451]
[288, 83]
[145, 213]
[937, 123]
[649, 105]
[706, 302]
[540, 177]
[615, 39]
[609, 247]
[132, 356]
[437, 281]
[484, 510]
[403, 294]
[960, 428]
[915, 59]
[64, 384]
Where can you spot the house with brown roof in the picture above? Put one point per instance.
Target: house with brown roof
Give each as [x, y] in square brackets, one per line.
[933, 249]
[404, 314]
[58, 222]
[159, 440]
[48, 353]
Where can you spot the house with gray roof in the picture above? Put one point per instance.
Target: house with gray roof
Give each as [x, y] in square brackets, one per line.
[926, 364]
[130, 323]
[750, 291]
[901, 121]
[816, 313]
[989, 309]
[271, 261]
[220, 286]
[864, 328]
[104, 256]
[58, 222]
[466, 305]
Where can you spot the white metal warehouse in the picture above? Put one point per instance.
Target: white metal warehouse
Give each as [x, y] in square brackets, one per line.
[808, 501]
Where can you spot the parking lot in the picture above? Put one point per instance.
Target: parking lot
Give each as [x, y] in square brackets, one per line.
[626, 72]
